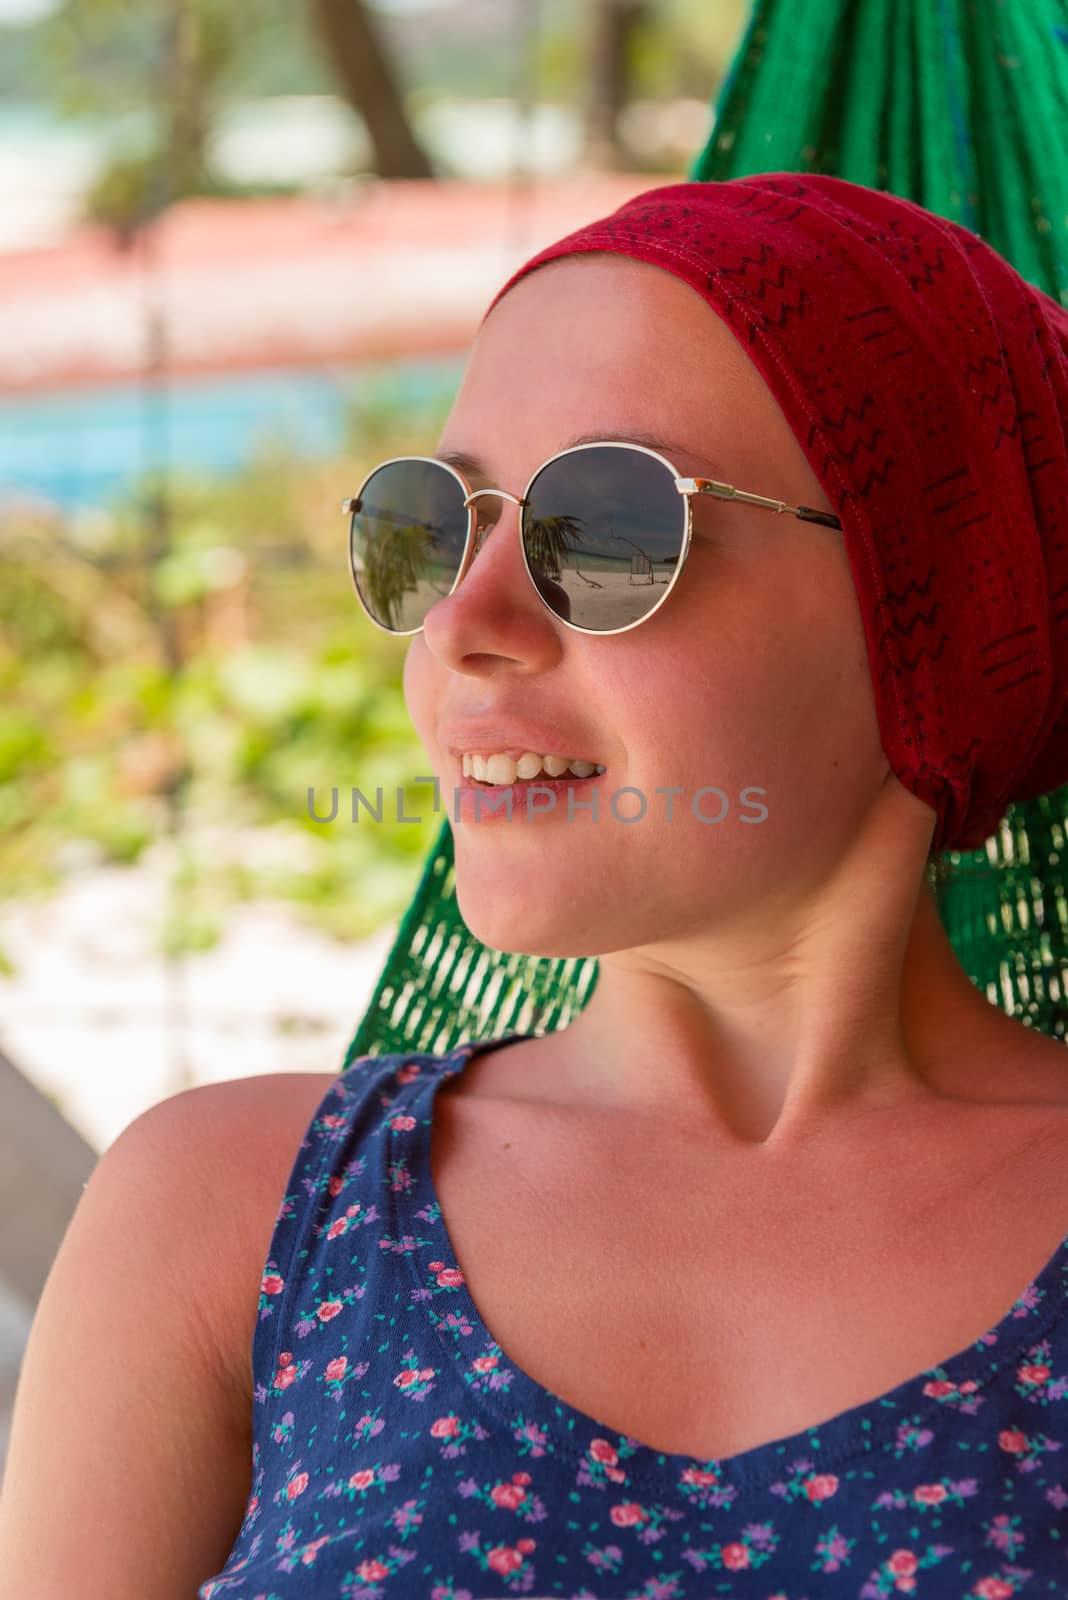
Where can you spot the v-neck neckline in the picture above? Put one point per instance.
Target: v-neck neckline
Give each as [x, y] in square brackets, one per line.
[519, 1401]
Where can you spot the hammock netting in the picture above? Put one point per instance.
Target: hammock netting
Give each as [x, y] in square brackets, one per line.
[962, 106]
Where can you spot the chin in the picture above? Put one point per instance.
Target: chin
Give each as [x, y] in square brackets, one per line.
[514, 934]
[554, 934]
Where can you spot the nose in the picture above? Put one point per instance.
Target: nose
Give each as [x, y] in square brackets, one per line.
[494, 620]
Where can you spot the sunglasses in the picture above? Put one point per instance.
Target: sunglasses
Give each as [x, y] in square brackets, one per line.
[605, 529]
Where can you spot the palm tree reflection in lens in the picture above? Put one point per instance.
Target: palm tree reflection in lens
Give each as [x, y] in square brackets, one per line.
[394, 561]
[396, 555]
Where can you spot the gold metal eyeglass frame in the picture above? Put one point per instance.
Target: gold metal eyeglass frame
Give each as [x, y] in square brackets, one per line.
[687, 487]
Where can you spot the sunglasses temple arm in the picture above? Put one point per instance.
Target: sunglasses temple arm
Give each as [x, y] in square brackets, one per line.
[727, 491]
[827, 518]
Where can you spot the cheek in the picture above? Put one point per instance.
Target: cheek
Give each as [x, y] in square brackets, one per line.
[765, 693]
[417, 682]
[804, 711]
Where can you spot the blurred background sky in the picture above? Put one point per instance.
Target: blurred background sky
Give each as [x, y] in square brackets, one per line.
[243, 252]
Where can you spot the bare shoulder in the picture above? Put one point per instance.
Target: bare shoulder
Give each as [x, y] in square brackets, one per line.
[237, 1141]
[158, 1277]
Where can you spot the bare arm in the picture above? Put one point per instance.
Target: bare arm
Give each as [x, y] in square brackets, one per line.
[129, 1463]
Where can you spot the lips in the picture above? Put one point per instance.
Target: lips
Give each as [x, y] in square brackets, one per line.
[510, 736]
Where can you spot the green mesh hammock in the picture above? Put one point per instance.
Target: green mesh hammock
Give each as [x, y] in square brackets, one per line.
[961, 105]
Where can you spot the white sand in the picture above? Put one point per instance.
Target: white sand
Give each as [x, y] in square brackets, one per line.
[95, 1018]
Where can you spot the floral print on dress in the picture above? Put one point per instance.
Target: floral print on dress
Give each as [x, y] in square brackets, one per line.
[399, 1454]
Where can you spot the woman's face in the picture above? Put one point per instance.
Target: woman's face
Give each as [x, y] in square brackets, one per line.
[753, 674]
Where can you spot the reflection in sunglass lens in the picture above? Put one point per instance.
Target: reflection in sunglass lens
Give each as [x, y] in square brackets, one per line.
[603, 534]
[406, 540]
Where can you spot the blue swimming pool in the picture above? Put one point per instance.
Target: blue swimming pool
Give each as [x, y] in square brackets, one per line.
[88, 447]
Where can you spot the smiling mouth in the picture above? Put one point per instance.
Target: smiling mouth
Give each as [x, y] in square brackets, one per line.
[543, 780]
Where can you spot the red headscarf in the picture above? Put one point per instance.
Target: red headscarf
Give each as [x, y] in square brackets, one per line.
[927, 384]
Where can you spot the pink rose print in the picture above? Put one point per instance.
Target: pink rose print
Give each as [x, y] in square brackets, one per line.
[372, 1571]
[445, 1428]
[822, 1486]
[272, 1283]
[1013, 1440]
[627, 1514]
[309, 1554]
[735, 1556]
[508, 1495]
[504, 1561]
[328, 1310]
[929, 1494]
[337, 1368]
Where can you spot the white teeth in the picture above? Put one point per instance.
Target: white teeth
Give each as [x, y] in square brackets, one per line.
[500, 769]
[504, 769]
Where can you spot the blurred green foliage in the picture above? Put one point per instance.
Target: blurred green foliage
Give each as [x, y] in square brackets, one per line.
[282, 686]
[160, 76]
[159, 99]
[94, 54]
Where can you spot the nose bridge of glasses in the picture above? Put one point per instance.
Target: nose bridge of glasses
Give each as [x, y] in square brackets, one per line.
[500, 495]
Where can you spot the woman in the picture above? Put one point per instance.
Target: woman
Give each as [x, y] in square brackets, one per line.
[752, 1280]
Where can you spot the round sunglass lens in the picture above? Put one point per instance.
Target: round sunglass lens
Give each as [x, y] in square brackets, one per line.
[603, 534]
[406, 541]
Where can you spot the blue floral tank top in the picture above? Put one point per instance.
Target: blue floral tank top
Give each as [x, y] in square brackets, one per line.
[399, 1454]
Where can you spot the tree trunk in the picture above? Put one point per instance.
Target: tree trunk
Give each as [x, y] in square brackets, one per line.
[366, 78]
[184, 92]
[613, 22]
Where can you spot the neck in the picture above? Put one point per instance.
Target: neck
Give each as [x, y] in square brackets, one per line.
[793, 1020]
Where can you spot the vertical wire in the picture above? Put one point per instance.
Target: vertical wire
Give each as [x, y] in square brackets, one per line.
[156, 441]
[523, 178]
